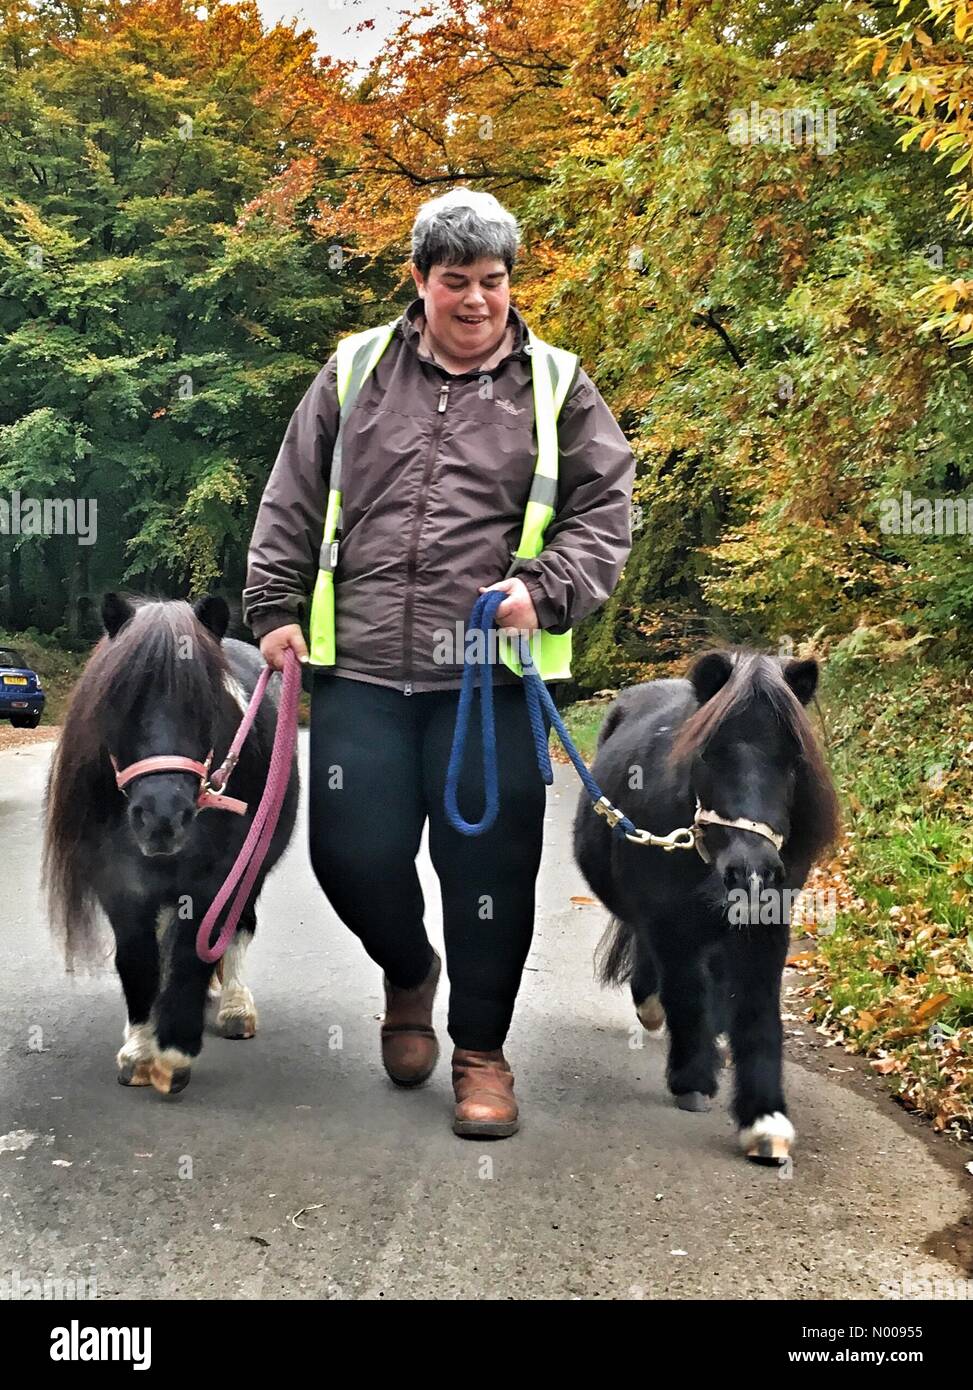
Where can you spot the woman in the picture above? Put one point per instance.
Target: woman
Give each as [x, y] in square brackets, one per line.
[426, 497]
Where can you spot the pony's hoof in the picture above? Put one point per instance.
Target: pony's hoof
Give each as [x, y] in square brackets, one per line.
[771, 1152]
[135, 1074]
[237, 1025]
[769, 1139]
[651, 1014]
[167, 1079]
[694, 1101]
[237, 1017]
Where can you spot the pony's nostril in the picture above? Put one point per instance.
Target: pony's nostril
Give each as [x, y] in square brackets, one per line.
[732, 877]
[138, 816]
[185, 818]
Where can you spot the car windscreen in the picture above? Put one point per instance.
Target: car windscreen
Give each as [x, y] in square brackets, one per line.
[8, 657]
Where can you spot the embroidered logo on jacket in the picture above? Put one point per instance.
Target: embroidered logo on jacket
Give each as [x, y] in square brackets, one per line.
[508, 406]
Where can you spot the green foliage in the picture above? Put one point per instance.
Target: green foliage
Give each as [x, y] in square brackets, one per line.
[163, 297]
[757, 330]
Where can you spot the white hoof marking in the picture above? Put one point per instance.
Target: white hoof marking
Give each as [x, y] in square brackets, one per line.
[775, 1126]
[139, 1045]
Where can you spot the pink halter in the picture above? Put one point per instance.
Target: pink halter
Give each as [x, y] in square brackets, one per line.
[210, 794]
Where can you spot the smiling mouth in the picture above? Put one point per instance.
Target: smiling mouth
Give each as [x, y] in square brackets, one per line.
[470, 321]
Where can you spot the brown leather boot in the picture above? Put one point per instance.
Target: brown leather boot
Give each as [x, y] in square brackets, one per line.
[484, 1088]
[409, 1046]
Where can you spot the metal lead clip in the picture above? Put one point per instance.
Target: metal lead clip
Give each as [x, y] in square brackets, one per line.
[612, 814]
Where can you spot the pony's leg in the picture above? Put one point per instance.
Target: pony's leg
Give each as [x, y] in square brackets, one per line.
[237, 1017]
[179, 1011]
[645, 987]
[693, 1061]
[755, 962]
[720, 1002]
[137, 963]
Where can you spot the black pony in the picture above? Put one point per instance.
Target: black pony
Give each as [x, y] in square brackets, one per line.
[727, 749]
[163, 682]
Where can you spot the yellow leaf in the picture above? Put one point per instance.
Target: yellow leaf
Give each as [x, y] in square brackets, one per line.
[879, 61]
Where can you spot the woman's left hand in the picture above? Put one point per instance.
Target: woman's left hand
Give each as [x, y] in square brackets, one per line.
[517, 609]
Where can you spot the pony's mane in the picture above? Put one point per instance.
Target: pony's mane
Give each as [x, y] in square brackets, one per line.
[758, 677]
[163, 648]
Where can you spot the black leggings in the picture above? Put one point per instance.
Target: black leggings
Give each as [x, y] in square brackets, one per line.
[378, 770]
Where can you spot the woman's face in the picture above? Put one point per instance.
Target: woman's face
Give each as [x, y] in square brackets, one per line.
[466, 305]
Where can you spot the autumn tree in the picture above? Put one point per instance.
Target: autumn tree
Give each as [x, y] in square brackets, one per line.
[164, 295]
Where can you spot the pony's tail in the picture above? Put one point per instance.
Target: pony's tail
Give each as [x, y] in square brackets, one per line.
[615, 953]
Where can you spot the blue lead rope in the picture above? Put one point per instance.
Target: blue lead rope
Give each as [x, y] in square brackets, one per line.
[539, 703]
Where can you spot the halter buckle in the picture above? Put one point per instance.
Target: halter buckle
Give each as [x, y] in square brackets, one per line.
[612, 814]
[217, 783]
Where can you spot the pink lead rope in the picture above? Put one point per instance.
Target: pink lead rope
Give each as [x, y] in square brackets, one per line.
[241, 878]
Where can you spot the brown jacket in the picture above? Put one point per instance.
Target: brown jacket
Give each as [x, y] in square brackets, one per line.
[436, 472]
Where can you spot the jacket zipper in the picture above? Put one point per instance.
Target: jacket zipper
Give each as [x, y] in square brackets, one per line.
[414, 544]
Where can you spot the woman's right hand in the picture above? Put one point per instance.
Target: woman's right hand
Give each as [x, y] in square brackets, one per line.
[273, 645]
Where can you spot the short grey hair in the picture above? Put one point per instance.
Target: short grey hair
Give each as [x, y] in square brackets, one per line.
[463, 226]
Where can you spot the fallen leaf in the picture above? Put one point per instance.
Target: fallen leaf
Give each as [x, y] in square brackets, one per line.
[931, 1006]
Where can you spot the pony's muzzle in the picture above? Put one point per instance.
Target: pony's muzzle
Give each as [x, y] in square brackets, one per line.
[753, 869]
[161, 811]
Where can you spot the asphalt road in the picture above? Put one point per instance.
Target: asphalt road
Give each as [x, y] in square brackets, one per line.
[608, 1191]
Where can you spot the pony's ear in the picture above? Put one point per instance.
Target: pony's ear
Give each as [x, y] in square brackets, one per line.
[115, 612]
[802, 677]
[214, 613]
[710, 673]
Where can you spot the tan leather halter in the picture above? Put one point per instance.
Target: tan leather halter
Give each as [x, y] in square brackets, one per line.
[756, 827]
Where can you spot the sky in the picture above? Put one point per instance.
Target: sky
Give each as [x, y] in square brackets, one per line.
[334, 22]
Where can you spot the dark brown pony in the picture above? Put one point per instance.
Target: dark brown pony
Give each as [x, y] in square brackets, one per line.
[162, 681]
[734, 740]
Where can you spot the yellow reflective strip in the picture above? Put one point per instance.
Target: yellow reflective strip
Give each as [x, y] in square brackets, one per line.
[545, 416]
[331, 516]
[551, 653]
[348, 349]
[536, 518]
[321, 625]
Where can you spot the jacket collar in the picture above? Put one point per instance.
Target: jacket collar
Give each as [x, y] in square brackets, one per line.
[409, 328]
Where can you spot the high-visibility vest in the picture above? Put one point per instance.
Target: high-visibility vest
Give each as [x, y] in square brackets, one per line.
[553, 371]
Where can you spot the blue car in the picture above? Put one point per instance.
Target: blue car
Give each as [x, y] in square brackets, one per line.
[21, 695]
